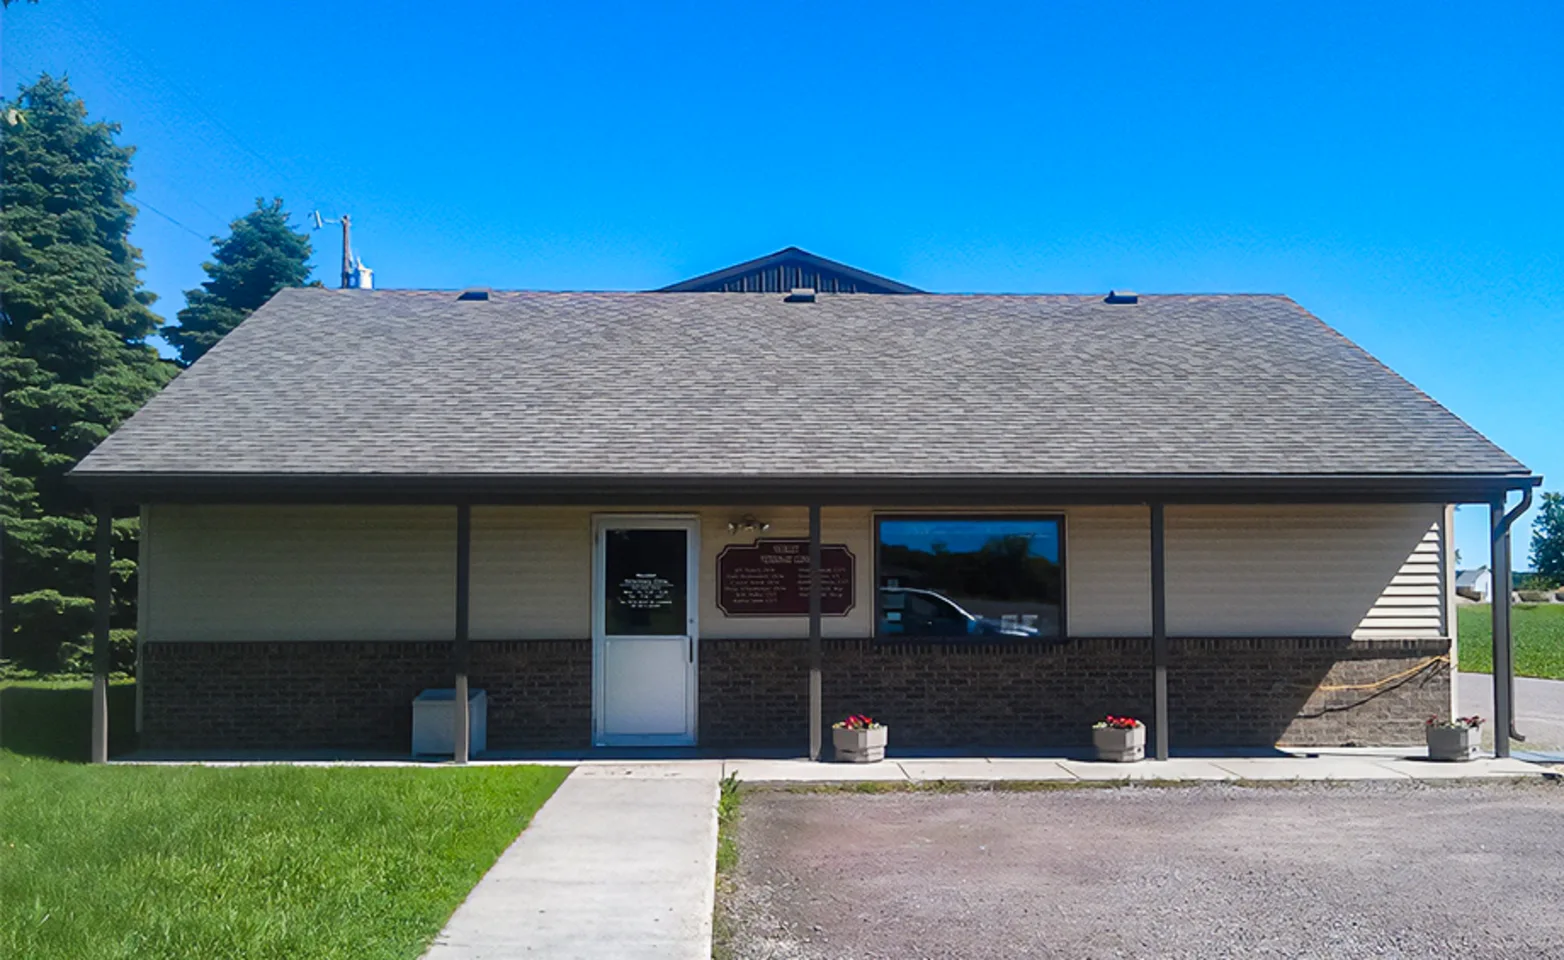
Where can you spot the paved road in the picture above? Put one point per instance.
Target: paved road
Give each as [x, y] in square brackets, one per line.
[618, 863]
[1210, 871]
[1539, 707]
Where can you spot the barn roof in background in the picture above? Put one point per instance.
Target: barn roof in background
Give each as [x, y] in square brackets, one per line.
[785, 270]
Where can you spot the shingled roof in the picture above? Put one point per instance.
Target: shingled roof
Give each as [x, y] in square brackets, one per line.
[397, 384]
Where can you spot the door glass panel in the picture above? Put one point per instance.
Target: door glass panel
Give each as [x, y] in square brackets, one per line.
[646, 582]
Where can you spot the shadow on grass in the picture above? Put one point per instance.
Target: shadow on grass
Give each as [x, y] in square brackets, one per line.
[53, 719]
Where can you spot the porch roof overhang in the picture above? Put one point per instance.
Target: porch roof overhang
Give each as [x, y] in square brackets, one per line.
[889, 490]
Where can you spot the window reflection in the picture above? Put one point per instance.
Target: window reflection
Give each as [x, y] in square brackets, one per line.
[978, 577]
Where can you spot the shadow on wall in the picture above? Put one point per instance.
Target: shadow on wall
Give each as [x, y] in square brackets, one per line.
[1225, 693]
[1308, 692]
[54, 720]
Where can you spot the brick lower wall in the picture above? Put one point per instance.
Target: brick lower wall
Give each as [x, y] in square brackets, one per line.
[540, 692]
[753, 693]
[1306, 692]
[356, 694]
[1221, 692]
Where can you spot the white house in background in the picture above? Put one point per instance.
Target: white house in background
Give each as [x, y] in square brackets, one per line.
[1477, 584]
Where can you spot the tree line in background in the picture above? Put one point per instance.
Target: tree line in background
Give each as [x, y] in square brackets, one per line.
[75, 361]
[1547, 542]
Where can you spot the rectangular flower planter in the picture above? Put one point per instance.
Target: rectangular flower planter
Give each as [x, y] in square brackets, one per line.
[1120, 745]
[859, 746]
[1453, 743]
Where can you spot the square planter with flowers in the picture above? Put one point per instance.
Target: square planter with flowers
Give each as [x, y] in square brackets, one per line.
[1457, 739]
[1119, 739]
[859, 739]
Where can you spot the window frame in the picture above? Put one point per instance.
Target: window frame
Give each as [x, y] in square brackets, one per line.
[1059, 517]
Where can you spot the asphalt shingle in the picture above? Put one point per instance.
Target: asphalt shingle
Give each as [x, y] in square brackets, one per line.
[398, 382]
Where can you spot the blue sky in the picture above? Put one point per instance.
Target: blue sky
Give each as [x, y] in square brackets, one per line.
[1393, 167]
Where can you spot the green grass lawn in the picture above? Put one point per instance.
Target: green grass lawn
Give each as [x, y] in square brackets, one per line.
[53, 717]
[1539, 639]
[284, 862]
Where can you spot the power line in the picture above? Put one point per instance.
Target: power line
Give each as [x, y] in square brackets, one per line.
[207, 210]
[188, 96]
[183, 93]
[143, 203]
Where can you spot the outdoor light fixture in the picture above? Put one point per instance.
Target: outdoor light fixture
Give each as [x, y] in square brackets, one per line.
[747, 524]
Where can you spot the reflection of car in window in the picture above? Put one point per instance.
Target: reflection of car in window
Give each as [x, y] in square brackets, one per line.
[910, 612]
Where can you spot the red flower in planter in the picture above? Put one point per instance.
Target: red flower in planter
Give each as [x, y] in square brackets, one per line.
[856, 722]
[1118, 723]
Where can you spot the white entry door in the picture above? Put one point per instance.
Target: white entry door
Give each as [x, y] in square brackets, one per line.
[645, 640]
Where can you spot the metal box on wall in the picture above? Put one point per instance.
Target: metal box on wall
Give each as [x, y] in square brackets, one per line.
[433, 722]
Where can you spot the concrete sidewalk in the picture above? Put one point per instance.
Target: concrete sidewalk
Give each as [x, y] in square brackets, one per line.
[1312, 764]
[1281, 763]
[618, 863]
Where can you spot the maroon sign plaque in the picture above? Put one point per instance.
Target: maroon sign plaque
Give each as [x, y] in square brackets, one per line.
[769, 578]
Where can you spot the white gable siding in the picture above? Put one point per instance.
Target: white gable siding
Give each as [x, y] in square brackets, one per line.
[1413, 604]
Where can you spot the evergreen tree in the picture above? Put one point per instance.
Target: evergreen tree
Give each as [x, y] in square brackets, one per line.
[1547, 539]
[73, 361]
[260, 256]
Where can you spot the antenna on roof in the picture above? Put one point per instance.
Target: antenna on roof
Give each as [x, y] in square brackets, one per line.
[354, 274]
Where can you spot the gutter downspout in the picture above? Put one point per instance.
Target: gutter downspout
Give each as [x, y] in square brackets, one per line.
[1503, 636]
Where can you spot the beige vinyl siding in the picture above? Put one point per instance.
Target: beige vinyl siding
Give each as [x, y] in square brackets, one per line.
[1254, 571]
[531, 573]
[1107, 570]
[300, 573]
[532, 570]
[339, 573]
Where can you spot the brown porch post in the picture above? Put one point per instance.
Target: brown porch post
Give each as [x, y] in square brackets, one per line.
[104, 590]
[462, 736]
[1503, 670]
[815, 706]
[1159, 633]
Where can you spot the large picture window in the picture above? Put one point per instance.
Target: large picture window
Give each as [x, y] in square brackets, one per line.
[970, 577]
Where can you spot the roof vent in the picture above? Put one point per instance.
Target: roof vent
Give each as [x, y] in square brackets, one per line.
[800, 295]
[1121, 296]
[481, 293]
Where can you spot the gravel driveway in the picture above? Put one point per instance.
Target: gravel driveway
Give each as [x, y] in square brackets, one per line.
[1315, 870]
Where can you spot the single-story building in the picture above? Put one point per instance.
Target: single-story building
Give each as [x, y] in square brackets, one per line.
[730, 512]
